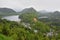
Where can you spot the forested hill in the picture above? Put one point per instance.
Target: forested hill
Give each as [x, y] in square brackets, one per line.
[6, 11]
[29, 10]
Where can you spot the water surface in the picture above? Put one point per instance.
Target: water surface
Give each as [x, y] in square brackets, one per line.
[12, 18]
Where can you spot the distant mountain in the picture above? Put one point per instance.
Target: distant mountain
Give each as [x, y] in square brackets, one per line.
[56, 14]
[53, 18]
[6, 10]
[29, 10]
[51, 15]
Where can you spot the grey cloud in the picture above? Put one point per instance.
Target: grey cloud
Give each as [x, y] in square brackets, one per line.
[37, 4]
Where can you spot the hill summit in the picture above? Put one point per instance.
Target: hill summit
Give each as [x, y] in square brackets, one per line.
[6, 10]
[29, 10]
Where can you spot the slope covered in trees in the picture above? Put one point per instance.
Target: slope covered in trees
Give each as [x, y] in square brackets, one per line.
[30, 28]
[7, 12]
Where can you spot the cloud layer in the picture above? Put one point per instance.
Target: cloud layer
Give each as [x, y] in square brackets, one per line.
[37, 4]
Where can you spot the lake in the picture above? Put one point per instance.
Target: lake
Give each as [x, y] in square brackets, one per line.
[12, 18]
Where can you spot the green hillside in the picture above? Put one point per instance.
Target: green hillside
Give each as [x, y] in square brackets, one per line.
[33, 26]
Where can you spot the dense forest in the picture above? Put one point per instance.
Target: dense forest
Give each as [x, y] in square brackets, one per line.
[31, 27]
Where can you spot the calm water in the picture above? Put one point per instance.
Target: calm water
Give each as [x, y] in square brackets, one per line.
[12, 18]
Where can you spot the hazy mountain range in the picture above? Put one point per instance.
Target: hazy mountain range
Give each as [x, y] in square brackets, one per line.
[9, 11]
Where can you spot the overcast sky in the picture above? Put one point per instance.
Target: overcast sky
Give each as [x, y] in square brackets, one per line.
[37, 4]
